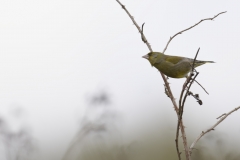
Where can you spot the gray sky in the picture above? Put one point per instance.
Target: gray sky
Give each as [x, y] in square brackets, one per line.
[55, 52]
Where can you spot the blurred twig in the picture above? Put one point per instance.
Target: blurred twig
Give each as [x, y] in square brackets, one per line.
[85, 130]
[17, 144]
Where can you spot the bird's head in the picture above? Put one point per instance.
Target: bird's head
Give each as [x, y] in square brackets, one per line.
[152, 57]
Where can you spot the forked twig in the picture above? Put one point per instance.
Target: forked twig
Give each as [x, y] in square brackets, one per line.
[193, 70]
[223, 116]
[190, 28]
[144, 39]
[189, 82]
[167, 87]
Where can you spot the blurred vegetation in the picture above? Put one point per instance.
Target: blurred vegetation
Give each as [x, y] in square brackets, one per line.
[98, 139]
[15, 144]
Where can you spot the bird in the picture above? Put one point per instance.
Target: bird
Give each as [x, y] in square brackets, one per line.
[173, 66]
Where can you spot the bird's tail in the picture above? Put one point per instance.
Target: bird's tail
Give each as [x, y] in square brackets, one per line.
[199, 63]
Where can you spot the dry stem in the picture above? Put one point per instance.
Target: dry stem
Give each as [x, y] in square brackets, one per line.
[169, 92]
[144, 39]
[135, 23]
[167, 87]
[223, 116]
[189, 81]
[201, 86]
[190, 28]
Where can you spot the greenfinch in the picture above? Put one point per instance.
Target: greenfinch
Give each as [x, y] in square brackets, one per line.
[173, 66]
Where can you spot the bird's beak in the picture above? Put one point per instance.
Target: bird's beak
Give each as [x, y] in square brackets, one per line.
[146, 56]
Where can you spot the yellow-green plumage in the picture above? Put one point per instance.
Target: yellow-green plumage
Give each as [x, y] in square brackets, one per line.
[173, 66]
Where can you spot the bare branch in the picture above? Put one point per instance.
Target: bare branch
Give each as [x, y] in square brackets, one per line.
[194, 60]
[177, 147]
[142, 35]
[169, 92]
[189, 81]
[184, 137]
[190, 28]
[193, 70]
[188, 88]
[135, 23]
[167, 87]
[221, 115]
[224, 116]
[149, 47]
[180, 114]
[201, 86]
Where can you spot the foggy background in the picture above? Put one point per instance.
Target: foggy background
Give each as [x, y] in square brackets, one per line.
[66, 65]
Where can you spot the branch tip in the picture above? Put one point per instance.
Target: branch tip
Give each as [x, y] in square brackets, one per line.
[223, 116]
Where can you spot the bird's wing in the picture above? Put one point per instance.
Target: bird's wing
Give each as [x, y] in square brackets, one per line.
[173, 59]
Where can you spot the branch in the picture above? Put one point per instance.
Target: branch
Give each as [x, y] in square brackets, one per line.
[223, 116]
[144, 39]
[201, 86]
[191, 28]
[167, 87]
[194, 60]
[182, 100]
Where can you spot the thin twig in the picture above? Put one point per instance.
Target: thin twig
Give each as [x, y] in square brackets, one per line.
[189, 81]
[224, 116]
[169, 92]
[221, 115]
[85, 130]
[142, 35]
[181, 108]
[177, 147]
[190, 28]
[201, 86]
[190, 84]
[193, 70]
[194, 60]
[135, 23]
[180, 117]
